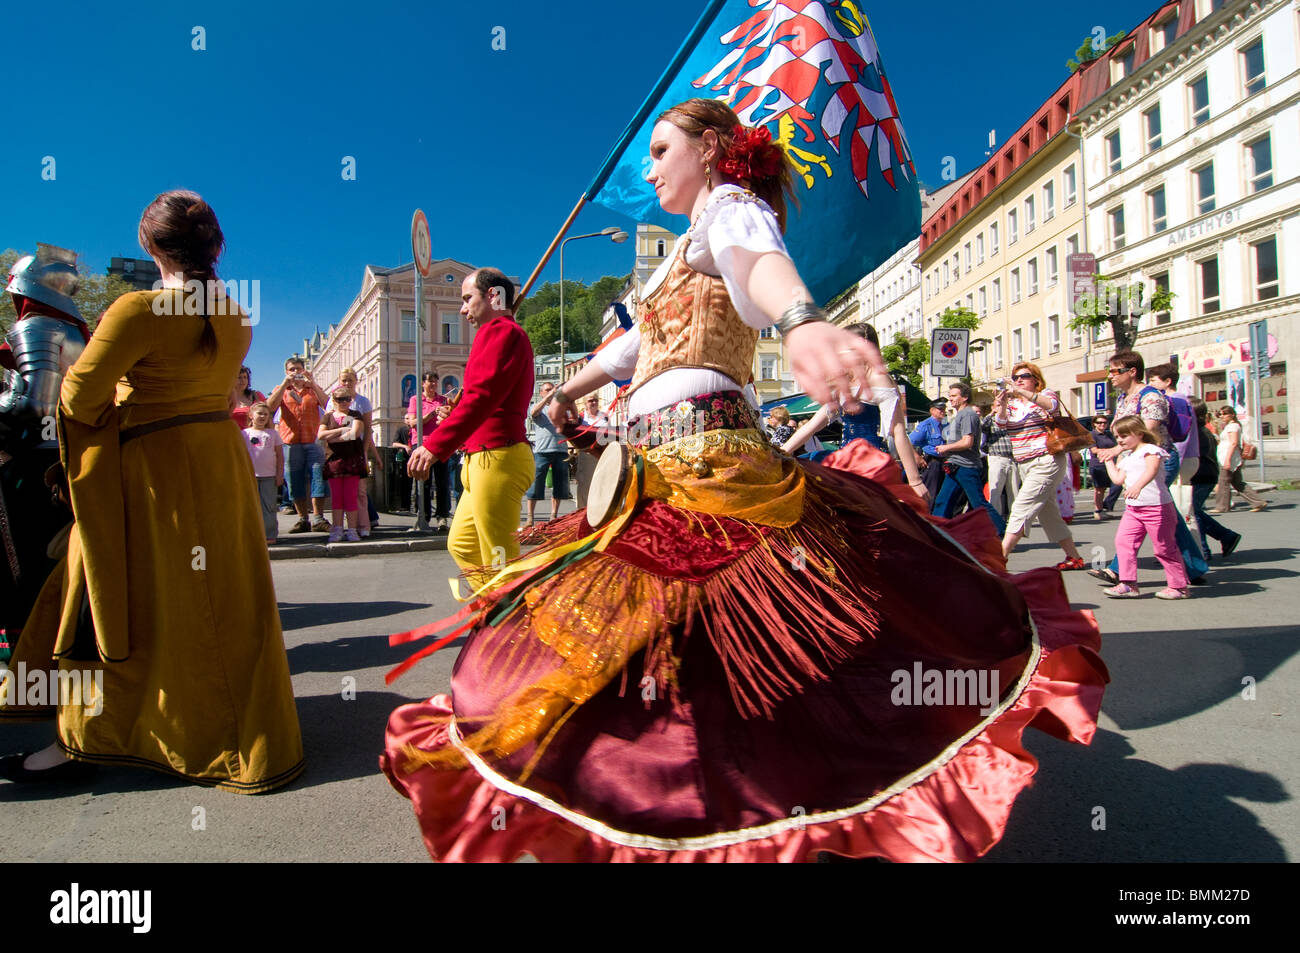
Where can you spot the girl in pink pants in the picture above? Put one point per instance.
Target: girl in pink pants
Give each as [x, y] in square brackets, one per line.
[1148, 508]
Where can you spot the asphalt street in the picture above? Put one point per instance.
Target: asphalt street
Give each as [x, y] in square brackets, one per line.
[1184, 768]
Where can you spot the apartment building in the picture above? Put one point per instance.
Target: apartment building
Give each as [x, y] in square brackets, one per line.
[1193, 185]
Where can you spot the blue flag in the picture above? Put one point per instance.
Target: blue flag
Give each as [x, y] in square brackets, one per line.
[810, 71]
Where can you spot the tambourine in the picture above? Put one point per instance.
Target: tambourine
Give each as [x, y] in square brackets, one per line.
[608, 484]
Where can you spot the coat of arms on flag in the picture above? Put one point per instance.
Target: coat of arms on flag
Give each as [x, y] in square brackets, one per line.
[811, 72]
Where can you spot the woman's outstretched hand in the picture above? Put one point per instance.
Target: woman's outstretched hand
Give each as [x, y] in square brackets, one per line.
[829, 362]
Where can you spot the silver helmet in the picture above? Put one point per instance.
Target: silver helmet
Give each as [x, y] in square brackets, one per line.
[49, 276]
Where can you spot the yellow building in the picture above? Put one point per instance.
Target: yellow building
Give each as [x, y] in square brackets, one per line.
[999, 247]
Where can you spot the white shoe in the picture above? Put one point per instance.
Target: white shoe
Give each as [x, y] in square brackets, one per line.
[336, 534]
[350, 536]
[363, 533]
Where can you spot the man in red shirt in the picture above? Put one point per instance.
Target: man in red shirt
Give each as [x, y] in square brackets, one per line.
[488, 421]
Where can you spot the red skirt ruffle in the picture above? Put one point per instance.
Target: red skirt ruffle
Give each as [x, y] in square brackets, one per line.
[694, 783]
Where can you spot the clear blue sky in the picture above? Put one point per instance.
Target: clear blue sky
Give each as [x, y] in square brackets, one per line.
[496, 146]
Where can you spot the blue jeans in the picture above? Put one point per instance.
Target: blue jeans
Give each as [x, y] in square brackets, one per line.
[967, 480]
[558, 463]
[1209, 525]
[1196, 563]
[304, 462]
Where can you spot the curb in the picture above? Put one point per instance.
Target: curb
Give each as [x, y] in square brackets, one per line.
[378, 547]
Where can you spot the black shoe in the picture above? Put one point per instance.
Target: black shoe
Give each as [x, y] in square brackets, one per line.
[70, 772]
[1231, 546]
[1199, 581]
[1105, 575]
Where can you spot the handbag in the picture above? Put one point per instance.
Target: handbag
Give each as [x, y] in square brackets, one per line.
[1067, 434]
[1248, 450]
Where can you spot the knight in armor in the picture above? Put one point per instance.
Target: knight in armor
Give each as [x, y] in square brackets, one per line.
[46, 339]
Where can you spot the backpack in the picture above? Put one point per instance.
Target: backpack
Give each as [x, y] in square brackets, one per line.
[1181, 418]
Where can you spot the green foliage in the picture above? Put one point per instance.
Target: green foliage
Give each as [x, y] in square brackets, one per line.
[584, 307]
[1086, 52]
[1119, 305]
[93, 297]
[906, 357]
[959, 318]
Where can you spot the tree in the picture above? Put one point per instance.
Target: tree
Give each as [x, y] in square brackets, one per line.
[959, 318]
[906, 356]
[1119, 305]
[584, 306]
[1092, 47]
[95, 294]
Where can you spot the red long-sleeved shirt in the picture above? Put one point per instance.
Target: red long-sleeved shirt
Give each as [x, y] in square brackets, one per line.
[494, 402]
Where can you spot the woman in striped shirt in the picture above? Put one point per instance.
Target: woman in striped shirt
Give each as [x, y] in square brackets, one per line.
[1025, 409]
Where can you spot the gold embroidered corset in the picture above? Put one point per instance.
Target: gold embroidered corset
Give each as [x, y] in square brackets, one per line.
[689, 321]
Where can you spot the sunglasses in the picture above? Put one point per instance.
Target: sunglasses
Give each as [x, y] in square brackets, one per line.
[1121, 370]
[1023, 377]
[342, 400]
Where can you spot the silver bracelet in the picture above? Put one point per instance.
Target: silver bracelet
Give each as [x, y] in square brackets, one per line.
[801, 312]
[561, 398]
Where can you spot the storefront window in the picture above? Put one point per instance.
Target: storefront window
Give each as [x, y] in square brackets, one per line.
[1234, 388]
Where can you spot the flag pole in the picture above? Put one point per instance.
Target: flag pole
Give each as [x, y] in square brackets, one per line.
[702, 24]
[550, 250]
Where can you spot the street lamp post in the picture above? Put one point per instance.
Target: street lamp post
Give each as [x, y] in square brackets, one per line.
[616, 235]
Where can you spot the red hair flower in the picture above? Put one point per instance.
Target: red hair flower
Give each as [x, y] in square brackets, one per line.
[753, 156]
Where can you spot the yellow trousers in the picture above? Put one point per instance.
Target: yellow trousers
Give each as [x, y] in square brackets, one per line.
[483, 529]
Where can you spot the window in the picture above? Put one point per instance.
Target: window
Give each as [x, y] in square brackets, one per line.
[766, 333]
[997, 350]
[1265, 255]
[1031, 275]
[1029, 215]
[408, 326]
[1161, 282]
[450, 329]
[979, 249]
[956, 267]
[1164, 34]
[767, 371]
[1015, 285]
[1113, 162]
[997, 294]
[1049, 201]
[659, 248]
[1259, 163]
[993, 239]
[1252, 67]
[1017, 346]
[1012, 232]
[1035, 342]
[927, 286]
[1209, 271]
[966, 248]
[984, 302]
[945, 274]
[1156, 213]
[970, 302]
[1122, 63]
[1151, 125]
[1049, 257]
[1116, 218]
[1070, 186]
[1071, 248]
[1204, 183]
[1076, 337]
[1198, 94]
[1054, 333]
